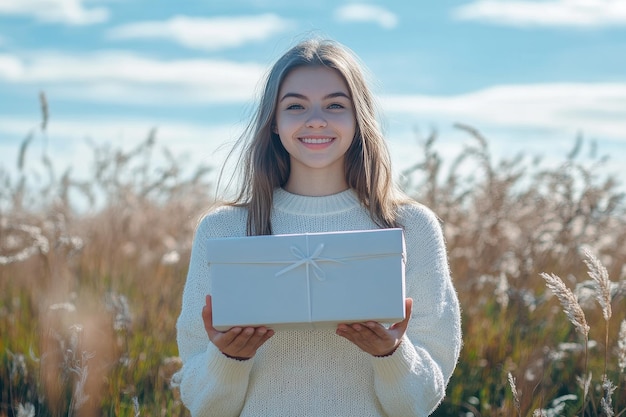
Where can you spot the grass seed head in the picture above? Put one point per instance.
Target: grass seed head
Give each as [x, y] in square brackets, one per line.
[569, 302]
[600, 276]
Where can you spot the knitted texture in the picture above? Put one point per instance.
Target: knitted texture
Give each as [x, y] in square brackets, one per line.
[315, 373]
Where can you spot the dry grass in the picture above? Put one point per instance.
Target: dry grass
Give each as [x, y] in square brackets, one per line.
[509, 224]
[89, 296]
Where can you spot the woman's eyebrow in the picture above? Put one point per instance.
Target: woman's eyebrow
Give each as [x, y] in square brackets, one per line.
[326, 97]
[337, 94]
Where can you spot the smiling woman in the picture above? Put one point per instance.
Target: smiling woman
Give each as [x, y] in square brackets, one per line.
[315, 122]
[315, 161]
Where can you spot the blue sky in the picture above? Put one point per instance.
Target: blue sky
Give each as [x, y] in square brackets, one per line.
[530, 75]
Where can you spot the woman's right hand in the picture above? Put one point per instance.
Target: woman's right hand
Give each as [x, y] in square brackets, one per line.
[238, 342]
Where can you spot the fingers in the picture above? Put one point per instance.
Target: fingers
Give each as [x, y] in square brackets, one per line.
[243, 342]
[368, 330]
[408, 308]
[374, 338]
[236, 342]
[207, 317]
[371, 337]
[238, 339]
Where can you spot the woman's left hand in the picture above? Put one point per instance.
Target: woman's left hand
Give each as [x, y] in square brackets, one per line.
[373, 337]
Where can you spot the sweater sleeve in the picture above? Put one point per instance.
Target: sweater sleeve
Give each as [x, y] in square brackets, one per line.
[211, 384]
[412, 381]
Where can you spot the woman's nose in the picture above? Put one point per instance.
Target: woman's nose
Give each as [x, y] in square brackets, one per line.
[316, 120]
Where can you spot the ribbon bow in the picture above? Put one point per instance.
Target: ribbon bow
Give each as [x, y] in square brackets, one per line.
[308, 260]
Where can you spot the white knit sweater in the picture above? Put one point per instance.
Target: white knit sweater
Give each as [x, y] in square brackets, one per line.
[316, 373]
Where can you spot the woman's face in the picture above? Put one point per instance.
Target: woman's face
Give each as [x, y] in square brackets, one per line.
[315, 121]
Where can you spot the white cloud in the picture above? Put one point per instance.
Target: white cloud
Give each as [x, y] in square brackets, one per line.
[208, 34]
[10, 66]
[594, 109]
[114, 76]
[71, 12]
[580, 13]
[356, 12]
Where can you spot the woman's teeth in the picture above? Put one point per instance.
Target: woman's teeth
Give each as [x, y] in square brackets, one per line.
[316, 141]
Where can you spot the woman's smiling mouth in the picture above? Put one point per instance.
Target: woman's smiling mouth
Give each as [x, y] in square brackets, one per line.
[316, 140]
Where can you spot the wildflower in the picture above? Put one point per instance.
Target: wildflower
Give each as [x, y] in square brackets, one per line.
[568, 300]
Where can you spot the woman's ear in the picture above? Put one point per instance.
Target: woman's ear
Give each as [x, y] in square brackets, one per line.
[274, 129]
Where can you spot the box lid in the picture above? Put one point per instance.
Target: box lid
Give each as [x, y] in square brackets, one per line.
[331, 245]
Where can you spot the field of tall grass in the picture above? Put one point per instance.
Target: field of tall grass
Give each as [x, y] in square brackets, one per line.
[89, 295]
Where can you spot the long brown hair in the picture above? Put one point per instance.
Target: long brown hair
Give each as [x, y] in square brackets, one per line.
[265, 163]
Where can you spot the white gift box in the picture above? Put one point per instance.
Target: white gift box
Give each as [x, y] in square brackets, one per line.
[309, 280]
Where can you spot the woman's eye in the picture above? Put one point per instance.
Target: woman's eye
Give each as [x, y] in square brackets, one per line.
[336, 106]
[295, 107]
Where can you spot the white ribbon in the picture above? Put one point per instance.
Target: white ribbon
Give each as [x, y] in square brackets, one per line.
[308, 260]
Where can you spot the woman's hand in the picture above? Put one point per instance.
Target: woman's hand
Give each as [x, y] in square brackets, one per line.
[373, 337]
[238, 342]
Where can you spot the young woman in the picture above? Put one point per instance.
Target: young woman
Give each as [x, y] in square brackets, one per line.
[316, 161]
